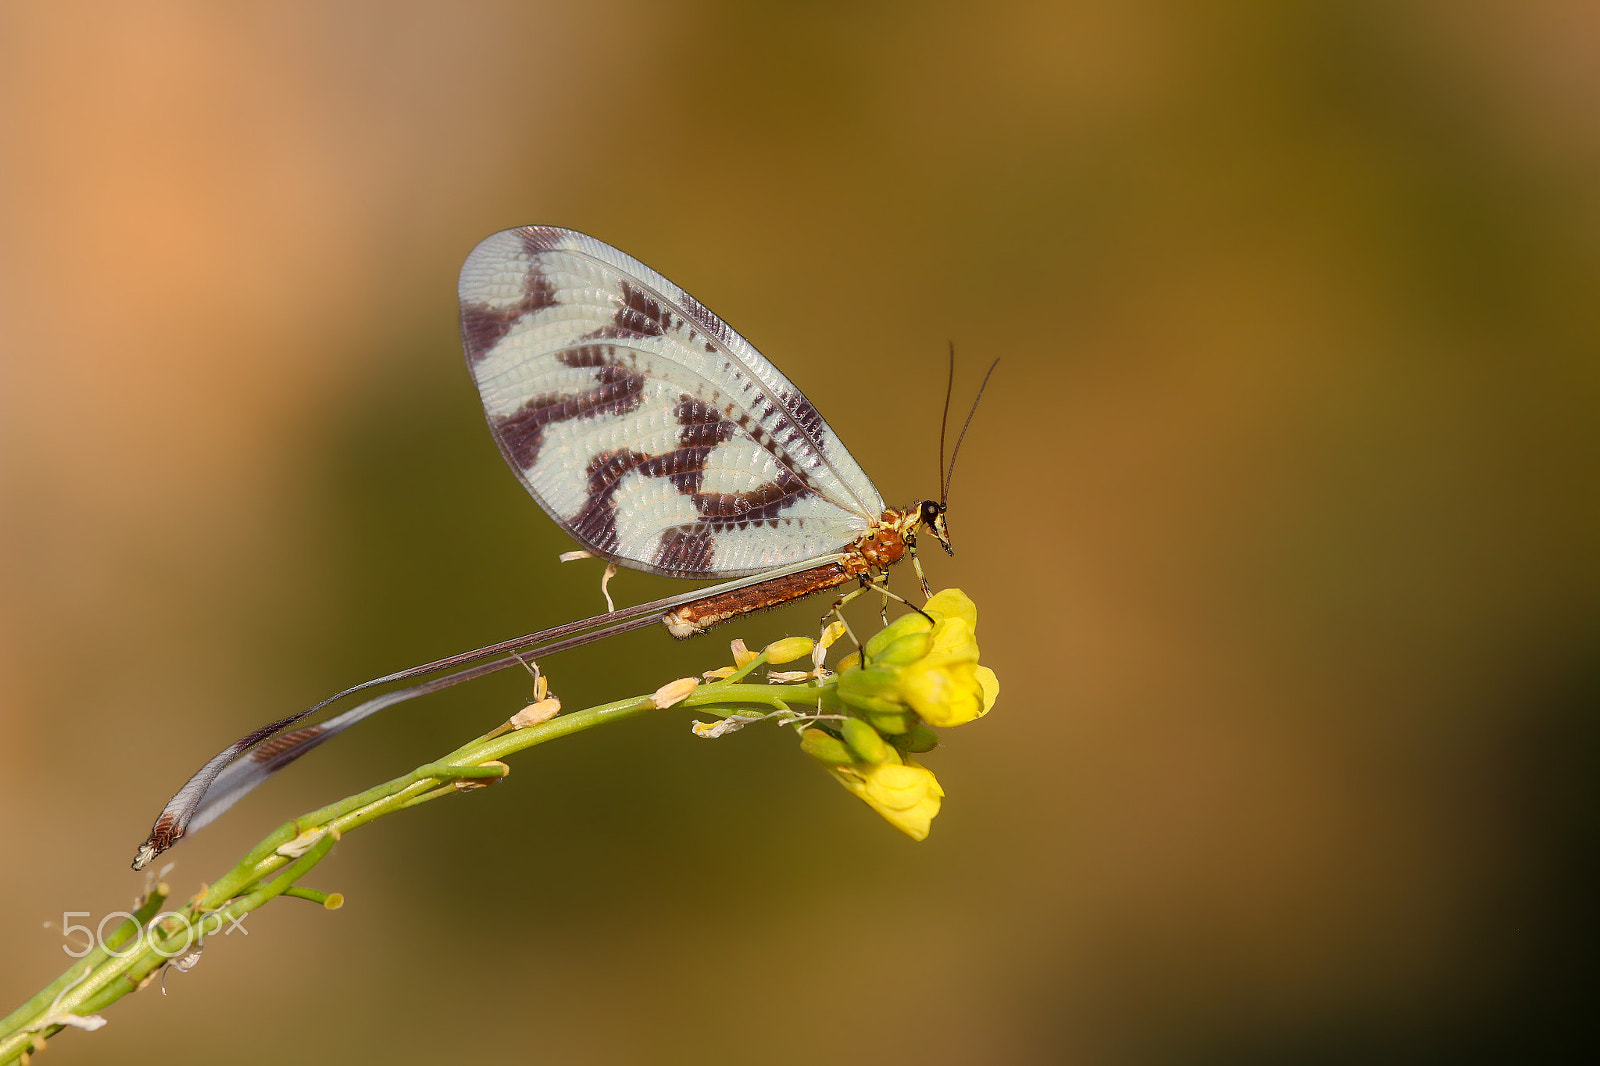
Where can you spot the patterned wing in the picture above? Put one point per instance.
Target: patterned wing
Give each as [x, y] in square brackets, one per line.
[651, 431]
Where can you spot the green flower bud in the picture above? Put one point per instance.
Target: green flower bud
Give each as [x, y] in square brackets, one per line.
[864, 741]
[918, 740]
[904, 650]
[871, 690]
[891, 723]
[789, 649]
[902, 626]
[825, 747]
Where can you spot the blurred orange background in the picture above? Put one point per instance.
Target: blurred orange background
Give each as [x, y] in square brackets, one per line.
[1281, 514]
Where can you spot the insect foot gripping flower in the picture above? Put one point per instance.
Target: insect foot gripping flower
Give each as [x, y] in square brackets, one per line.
[913, 672]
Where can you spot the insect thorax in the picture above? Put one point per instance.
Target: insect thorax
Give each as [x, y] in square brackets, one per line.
[883, 544]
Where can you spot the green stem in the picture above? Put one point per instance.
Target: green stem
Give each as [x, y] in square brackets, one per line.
[270, 869]
[96, 957]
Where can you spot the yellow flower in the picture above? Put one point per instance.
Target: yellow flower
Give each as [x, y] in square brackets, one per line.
[929, 668]
[942, 686]
[918, 669]
[906, 794]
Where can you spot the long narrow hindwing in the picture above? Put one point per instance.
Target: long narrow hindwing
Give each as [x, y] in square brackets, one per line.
[650, 430]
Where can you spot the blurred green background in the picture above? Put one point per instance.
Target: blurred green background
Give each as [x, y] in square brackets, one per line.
[1281, 516]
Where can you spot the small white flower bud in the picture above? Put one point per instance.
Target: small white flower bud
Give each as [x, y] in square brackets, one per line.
[674, 692]
[534, 713]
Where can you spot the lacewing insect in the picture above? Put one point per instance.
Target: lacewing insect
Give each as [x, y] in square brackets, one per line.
[659, 439]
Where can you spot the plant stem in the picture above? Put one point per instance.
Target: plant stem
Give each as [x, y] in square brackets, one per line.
[131, 956]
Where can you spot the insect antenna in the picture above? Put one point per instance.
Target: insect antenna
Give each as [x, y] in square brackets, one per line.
[944, 420]
[944, 495]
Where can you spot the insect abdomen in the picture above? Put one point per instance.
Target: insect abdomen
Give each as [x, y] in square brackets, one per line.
[700, 615]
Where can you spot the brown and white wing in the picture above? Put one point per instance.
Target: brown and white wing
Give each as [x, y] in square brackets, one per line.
[650, 430]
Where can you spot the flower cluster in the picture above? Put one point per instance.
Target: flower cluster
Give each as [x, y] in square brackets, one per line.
[914, 674]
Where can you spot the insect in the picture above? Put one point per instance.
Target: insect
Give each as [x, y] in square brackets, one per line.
[660, 440]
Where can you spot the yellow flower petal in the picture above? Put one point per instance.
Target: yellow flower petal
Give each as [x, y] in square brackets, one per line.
[953, 603]
[907, 796]
[991, 688]
[944, 694]
[953, 640]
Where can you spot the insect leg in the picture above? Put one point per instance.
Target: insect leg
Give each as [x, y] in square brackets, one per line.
[837, 610]
[916, 564]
